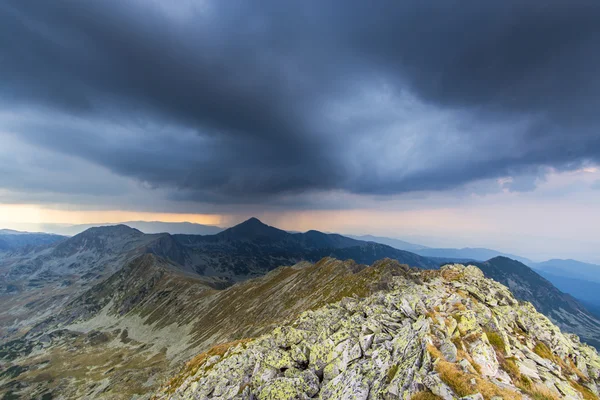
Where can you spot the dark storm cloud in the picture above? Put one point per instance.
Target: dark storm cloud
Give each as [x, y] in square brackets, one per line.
[246, 101]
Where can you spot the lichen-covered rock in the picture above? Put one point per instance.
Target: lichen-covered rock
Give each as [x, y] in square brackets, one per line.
[452, 333]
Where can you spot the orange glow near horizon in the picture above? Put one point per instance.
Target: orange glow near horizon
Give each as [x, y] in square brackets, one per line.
[33, 214]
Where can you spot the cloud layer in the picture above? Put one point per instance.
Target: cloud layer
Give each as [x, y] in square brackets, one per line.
[249, 103]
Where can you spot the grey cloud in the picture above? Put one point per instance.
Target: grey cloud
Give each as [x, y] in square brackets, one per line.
[237, 102]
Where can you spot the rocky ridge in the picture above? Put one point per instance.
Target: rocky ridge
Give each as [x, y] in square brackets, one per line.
[123, 337]
[562, 309]
[444, 334]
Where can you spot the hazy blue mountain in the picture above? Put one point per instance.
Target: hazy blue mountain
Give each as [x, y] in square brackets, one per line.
[570, 269]
[588, 292]
[467, 253]
[11, 240]
[395, 243]
[185, 228]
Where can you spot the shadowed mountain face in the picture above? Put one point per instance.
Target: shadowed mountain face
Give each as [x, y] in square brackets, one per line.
[588, 292]
[529, 286]
[253, 248]
[252, 230]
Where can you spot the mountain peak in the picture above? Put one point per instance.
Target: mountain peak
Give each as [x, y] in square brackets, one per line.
[118, 229]
[252, 229]
[101, 238]
[253, 221]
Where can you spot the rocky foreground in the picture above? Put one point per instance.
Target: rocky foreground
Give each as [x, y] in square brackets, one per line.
[430, 334]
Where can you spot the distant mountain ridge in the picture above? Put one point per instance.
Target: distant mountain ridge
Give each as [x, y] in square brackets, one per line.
[477, 254]
[11, 240]
[253, 248]
[570, 269]
[463, 254]
[395, 243]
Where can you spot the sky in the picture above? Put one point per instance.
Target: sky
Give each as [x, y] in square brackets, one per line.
[455, 123]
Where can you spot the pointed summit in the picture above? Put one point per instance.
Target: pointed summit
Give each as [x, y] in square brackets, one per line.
[252, 230]
[253, 221]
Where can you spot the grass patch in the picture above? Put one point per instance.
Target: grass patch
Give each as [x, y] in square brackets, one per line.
[536, 392]
[568, 367]
[458, 381]
[543, 351]
[512, 369]
[434, 352]
[472, 337]
[424, 396]
[457, 342]
[541, 392]
[496, 340]
[585, 392]
[461, 383]
[432, 315]
[573, 368]
[451, 274]
[391, 373]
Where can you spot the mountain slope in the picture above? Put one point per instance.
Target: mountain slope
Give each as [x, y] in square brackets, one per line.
[435, 334]
[152, 310]
[561, 308]
[587, 292]
[34, 285]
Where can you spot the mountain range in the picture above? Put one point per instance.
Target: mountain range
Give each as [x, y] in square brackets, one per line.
[186, 228]
[112, 312]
